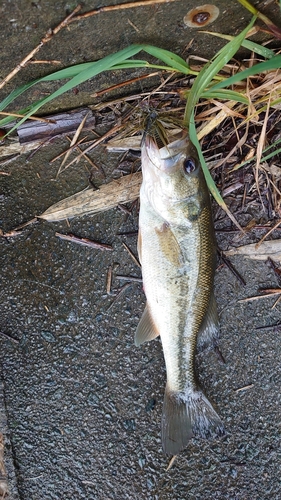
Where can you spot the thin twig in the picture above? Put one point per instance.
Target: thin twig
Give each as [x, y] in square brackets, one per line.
[38, 61]
[276, 302]
[71, 148]
[16, 230]
[123, 289]
[95, 143]
[122, 84]
[260, 147]
[244, 388]
[276, 291]
[111, 8]
[268, 233]
[171, 462]
[84, 241]
[128, 278]
[9, 337]
[136, 261]
[230, 266]
[73, 141]
[48, 36]
[109, 280]
[275, 327]
[17, 115]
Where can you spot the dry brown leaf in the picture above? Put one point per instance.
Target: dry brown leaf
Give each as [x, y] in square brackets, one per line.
[109, 195]
[210, 126]
[123, 144]
[266, 249]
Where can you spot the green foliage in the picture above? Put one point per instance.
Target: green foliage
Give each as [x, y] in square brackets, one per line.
[208, 84]
[212, 68]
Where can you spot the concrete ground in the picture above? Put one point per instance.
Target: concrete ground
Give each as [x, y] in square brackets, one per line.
[81, 406]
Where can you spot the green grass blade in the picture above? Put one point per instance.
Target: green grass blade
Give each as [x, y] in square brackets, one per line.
[132, 64]
[207, 74]
[82, 72]
[273, 63]
[94, 69]
[229, 95]
[210, 182]
[175, 63]
[273, 28]
[168, 57]
[247, 44]
[58, 75]
[263, 158]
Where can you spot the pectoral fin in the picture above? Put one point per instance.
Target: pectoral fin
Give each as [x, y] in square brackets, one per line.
[140, 246]
[168, 244]
[146, 329]
[209, 330]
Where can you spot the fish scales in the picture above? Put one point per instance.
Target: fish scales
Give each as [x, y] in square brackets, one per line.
[177, 252]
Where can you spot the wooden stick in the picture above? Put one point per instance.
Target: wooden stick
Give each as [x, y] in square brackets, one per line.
[128, 278]
[17, 115]
[131, 254]
[268, 233]
[122, 84]
[123, 289]
[109, 280]
[111, 8]
[244, 388]
[84, 241]
[48, 36]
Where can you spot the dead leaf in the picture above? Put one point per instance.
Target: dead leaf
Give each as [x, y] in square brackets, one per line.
[266, 249]
[109, 195]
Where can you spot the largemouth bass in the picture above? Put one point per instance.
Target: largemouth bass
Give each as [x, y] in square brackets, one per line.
[177, 250]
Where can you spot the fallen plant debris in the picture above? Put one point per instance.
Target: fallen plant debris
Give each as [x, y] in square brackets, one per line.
[132, 255]
[245, 388]
[271, 248]
[231, 267]
[109, 195]
[17, 230]
[119, 295]
[84, 241]
[276, 328]
[238, 128]
[225, 173]
[225, 138]
[12, 339]
[246, 109]
[266, 292]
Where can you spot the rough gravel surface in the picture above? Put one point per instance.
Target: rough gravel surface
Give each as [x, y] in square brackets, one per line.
[83, 404]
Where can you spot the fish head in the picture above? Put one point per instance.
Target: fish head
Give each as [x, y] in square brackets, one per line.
[173, 180]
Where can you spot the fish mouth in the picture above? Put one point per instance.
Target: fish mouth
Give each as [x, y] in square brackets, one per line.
[166, 157]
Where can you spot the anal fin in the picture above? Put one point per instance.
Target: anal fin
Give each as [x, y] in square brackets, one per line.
[209, 330]
[146, 329]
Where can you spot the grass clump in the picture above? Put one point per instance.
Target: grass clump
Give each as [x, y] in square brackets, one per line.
[211, 85]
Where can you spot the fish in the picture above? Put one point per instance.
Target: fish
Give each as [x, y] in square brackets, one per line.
[177, 252]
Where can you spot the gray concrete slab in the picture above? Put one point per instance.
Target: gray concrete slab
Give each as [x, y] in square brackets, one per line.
[83, 403]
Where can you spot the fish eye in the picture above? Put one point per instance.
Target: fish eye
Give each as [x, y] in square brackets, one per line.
[189, 165]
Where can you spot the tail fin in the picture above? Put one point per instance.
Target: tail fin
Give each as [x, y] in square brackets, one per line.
[187, 415]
